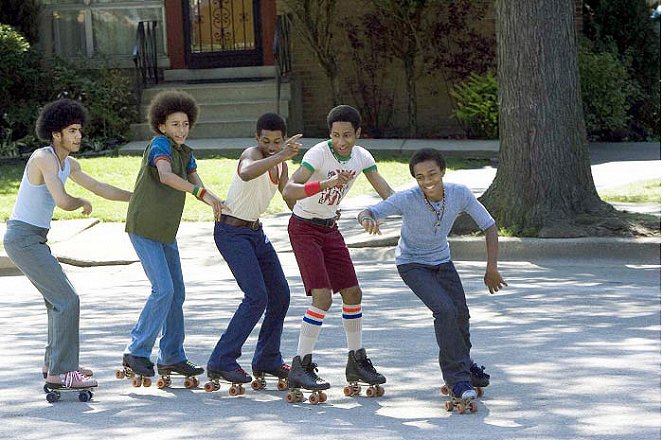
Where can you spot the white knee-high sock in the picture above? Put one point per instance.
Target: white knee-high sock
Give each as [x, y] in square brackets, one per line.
[311, 326]
[352, 325]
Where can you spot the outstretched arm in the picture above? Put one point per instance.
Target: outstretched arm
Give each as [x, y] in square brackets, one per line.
[298, 187]
[379, 184]
[492, 279]
[91, 184]
[368, 222]
[252, 164]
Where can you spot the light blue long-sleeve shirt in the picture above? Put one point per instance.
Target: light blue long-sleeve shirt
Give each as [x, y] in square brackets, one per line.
[421, 241]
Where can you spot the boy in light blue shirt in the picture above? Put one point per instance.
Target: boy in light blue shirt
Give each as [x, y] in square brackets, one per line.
[423, 259]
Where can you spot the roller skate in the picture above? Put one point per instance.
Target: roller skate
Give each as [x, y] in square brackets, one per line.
[461, 398]
[360, 369]
[303, 375]
[138, 369]
[185, 368]
[72, 381]
[260, 381]
[480, 379]
[84, 371]
[236, 377]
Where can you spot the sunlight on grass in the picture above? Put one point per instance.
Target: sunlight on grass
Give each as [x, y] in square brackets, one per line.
[644, 191]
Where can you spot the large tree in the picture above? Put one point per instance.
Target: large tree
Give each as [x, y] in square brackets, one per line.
[544, 183]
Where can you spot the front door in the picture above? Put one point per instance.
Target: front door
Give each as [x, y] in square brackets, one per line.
[222, 33]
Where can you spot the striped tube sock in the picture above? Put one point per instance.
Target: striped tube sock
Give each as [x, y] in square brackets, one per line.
[311, 326]
[352, 325]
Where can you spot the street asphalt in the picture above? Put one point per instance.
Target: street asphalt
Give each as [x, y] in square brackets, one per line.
[573, 344]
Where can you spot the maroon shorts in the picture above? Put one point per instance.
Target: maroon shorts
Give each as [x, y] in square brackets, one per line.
[322, 256]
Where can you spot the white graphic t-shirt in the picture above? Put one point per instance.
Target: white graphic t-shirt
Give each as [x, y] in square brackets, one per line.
[323, 161]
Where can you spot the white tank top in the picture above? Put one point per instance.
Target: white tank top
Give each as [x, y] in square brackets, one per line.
[249, 200]
[34, 203]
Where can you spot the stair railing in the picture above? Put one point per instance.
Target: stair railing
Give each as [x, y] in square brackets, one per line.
[282, 54]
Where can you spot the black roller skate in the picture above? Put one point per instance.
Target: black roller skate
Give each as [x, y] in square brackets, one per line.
[480, 379]
[361, 369]
[303, 375]
[185, 368]
[461, 397]
[260, 381]
[236, 377]
[138, 369]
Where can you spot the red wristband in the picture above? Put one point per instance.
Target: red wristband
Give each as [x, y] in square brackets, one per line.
[202, 193]
[311, 188]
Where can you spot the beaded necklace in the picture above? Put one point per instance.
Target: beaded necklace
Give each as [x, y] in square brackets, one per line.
[438, 212]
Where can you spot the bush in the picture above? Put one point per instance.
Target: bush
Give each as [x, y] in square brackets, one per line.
[606, 90]
[22, 15]
[476, 106]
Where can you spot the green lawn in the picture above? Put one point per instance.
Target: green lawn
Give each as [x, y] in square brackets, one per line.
[217, 173]
[645, 191]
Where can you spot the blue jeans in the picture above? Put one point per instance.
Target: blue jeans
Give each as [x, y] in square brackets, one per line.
[257, 270]
[440, 289]
[163, 310]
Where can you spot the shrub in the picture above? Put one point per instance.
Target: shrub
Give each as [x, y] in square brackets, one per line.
[606, 90]
[22, 15]
[476, 105]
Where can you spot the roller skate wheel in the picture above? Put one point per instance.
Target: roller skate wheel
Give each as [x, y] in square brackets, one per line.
[257, 385]
[190, 382]
[474, 407]
[196, 382]
[209, 387]
[282, 385]
[314, 399]
[242, 390]
[448, 406]
[370, 392]
[162, 383]
[52, 397]
[147, 382]
[46, 389]
[380, 391]
[323, 397]
[234, 391]
[444, 390]
[84, 396]
[290, 398]
[136, 382]
[348, 391]
[119, 374]
[460, 408]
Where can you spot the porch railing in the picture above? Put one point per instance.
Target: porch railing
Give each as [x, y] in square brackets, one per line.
[282, 51]
[145, 53]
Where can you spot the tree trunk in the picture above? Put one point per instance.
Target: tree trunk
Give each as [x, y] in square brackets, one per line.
[544, 184]
[411, 87]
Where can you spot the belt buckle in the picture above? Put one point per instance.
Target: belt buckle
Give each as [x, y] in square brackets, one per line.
[254, 226]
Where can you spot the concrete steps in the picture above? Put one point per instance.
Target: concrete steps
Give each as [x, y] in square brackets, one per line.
[230, 100]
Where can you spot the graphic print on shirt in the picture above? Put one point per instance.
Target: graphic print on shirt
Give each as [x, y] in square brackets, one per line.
[333, 196]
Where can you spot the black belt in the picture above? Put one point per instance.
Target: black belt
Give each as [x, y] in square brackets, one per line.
[327, 222]
[234, 221]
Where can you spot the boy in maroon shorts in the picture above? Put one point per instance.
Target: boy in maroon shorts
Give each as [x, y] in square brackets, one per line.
[327, 173]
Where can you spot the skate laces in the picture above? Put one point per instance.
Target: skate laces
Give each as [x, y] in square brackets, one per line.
[285, 367]
[190, 364]
[366, 363]
[478, 371]
[72, 378]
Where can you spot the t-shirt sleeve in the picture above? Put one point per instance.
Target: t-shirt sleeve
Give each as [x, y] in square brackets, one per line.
[192, 166]
[390, 206]
[160, 149]
[368, 161]
[476, 210]
[312, 159]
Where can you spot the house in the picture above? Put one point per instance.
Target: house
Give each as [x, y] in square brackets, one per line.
[222, 51]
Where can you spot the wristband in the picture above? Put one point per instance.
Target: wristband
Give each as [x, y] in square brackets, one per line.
[311, 188]
[202, 193]
[361, 222]
[196, 190]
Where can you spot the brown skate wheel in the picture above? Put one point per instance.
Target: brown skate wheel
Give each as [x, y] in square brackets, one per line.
[461, 408]
[209, 387]
[189, 383]
[448, 405]
[479, 391]
[242, 391]
[323, 397]
[370, 392]
[147, 382]
[196, 382]
[348, 391]
[119, 374]
[136, 382]
[282, 385]
[444, 390]
[162, 383]
[474, 407]
[257, 385]
[314, 399]
[233, 390]
[290, 398]
[380, 391]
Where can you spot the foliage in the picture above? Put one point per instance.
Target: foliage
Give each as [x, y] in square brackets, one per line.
[370, 58]
[606, 90]
[476, 105]
[22, 15]
[626, 27]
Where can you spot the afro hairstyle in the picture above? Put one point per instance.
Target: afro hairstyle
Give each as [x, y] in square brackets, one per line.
[344, 113]
[272, 122]
[168, 102]
[58, 115]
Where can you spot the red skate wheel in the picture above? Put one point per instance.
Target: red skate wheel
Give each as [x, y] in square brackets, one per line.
[136, 382]
[209, 387]
[282, 385]
[161, 383]
[119, 374]
[313, 399]
[348, 391]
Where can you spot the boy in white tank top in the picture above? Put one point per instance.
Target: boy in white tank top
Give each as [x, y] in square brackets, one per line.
[42, 188]
[248, 252]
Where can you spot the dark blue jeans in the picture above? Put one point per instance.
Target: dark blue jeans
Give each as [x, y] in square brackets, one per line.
[257, 270]
[439, 287]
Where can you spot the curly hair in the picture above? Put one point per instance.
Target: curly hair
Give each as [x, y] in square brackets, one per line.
[426, 154]
[344, 113]
[57, 115]
[271, 121]
[168, 102]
